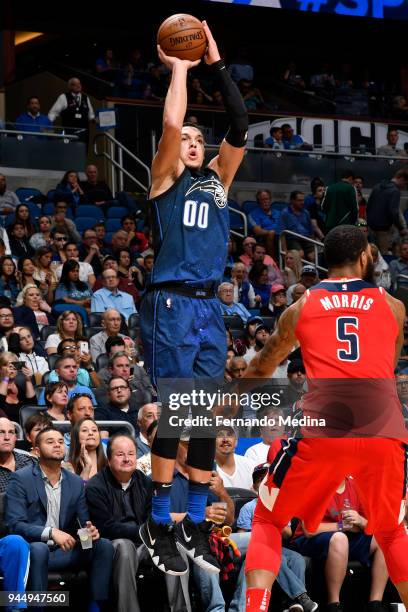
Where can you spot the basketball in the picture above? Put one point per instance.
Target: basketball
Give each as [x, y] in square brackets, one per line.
[182, 36]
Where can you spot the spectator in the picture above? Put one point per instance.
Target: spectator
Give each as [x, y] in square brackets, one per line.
[100, 231]
[235, 470]
[63, 224]
[339, 203]
[383, 209]
[75, 110]
[315, 210]
[323, 83]
[243, 290]
[400, 266]
[274, 141]
[86, 271]
[247, 341]
[125, 284]
[251, 95]
[291, 577]
[69, 325]
[197, 95]
[298, 291]
[308, 278]
[89, 251]
[44, 272]
[292, 78]
[382, 275]
[260, 282]
[135, 239]
[96, 191]
[26, 274]
[10, 459]
[22, 215]
[71, 290]
[67, 370]
[359, 183]
[146, 416]
[111, 323]
[6, 325]
[296, 219]
[400, 107]
[79, 407]
[86, 454]
[19, 244]
[110, 297]
[277, 302]
[107, 66]
[391, 149]
[33, 312]
[259, 256]
[119, 501]
[32, 120]
[262, 333]
[120, 365]
[26, 350]
[119, 406]
[240, 68]
[296, 374]
[8, 199]
[273, 430]
[217, 98]
[32, 427]
[236, 367]
[289, 138]
[264, 220]
[43, 237]
[227, 304]
[314, 184]
[340, 538]
[38, 523]
[16, 387]
[79, 350]
[119, 241]
[56, 400]
[69, 189]
[8, 279]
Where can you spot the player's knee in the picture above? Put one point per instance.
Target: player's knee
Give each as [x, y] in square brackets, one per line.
[339, 544]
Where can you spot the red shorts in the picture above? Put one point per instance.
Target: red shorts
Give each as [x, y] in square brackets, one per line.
[306, 473]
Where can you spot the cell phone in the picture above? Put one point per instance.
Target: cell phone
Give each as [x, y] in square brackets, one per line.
[19, 364]
[83, 348]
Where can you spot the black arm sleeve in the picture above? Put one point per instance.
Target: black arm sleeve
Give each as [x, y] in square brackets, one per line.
[234, 105]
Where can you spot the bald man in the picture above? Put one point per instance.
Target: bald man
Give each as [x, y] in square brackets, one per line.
[147, 414]
[97, 191]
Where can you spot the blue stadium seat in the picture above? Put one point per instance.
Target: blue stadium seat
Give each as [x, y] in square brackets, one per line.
[116, 212]
[51, 194]
[84, 223]
[248, 206]
[48, 208]
[234, 204]
[279, 205]
[89, 210]
[108, 237]
[24, 193]
[112, 225]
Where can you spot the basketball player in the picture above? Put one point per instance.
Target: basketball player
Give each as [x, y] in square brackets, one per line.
[347, 328]
[182, 328]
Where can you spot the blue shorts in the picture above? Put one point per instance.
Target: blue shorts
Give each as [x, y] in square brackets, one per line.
[317, 546]
[183, 337]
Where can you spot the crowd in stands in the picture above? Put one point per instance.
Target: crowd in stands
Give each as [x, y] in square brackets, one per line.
[72, 358]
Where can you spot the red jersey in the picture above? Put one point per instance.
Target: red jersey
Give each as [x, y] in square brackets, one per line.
[346, 329]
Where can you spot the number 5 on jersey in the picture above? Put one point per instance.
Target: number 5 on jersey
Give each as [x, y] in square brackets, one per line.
[196, 214]
[347, 332]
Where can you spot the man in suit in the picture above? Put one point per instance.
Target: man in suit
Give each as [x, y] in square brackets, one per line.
[45, 504]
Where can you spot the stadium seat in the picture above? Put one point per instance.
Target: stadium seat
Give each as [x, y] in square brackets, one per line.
[108, 237]
[89, 210]
[102, 361]
[248, 206]
[48, 208]
[279, 205]
[47, 330]
[95, 319]
[51, 194]
[240, 497]
[84, 223]
[233, 321]
[134, 321]
[27, 411]
[52, 359]
[269, 321]
[91, 331]
[116, 212]
[234, 204]
[45, 378]
[26, 193]
[112, 225]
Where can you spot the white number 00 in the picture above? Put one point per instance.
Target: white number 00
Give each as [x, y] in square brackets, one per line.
[192, 217]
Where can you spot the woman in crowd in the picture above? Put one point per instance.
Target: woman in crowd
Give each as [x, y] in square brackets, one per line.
[23, 215]
[44, 271]
[16, 386]
[32, 427]
[56, 399]
[70, 188]
[277, 304]
[22, 344]
[86, 453]
[71, 290]
[259, 278]
[32, 311]
[8, 279]
[42, 238]
[69, 325]
[26, 272]
[131, 278]
[60, 222]
[293, 267]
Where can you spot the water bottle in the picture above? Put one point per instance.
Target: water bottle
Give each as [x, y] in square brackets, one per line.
[345, 508]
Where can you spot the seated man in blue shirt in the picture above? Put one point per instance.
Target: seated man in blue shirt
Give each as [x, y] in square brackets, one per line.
[227, 304]
[275, 139]
[110, 296]
[296, 219]
[263, 220]
[32, 120]
[290, 139]
[67, 369]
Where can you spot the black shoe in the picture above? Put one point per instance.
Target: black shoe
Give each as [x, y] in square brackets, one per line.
[334, 607]
[159, 540]
[306, 603]
[193, 539]
[376, 606]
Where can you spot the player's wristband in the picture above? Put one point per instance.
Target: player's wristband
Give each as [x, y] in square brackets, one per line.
[234, 105]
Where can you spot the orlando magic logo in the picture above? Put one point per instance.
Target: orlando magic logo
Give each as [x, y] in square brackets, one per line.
[213, 187]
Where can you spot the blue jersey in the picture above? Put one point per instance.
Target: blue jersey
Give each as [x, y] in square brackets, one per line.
[191, 230]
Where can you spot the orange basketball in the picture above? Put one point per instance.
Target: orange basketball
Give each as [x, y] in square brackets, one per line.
[182, 36]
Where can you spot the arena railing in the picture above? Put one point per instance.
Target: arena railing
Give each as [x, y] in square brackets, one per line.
[317, 248]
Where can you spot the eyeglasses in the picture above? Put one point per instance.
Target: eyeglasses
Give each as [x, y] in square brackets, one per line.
[120, 388]
[69, 348]
[5, 316]
[61, 238]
